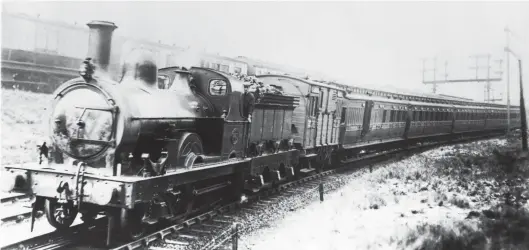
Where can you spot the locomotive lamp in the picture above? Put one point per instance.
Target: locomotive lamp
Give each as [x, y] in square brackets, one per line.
[87, 69]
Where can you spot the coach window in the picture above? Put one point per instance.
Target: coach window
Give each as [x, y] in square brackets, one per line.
[321, 98]
[359, 116]
[217, 87]
[313, 106]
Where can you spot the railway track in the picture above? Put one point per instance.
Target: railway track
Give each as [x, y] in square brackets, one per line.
[16, 207]
[214, 229]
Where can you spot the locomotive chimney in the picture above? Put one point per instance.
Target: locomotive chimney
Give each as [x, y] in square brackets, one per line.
[100, 42]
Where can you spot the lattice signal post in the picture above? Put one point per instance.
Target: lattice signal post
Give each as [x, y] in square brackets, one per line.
[488, 79]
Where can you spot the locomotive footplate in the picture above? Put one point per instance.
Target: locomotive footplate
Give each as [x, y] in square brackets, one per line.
[114, 191]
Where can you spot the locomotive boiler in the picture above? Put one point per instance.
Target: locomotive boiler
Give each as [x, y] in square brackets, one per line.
[113, 126]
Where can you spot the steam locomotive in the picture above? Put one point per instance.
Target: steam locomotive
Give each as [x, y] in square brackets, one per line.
[162, 143]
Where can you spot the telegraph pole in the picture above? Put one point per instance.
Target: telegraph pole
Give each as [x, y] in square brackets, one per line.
[489, 87]
[522, 110]
[508, 85]
[434, 69]
[487, 84]
[523, 115]
[487, 80]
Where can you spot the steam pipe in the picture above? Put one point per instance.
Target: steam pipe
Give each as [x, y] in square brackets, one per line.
[100, 41]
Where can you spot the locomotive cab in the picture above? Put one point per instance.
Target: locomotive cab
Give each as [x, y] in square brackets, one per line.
[221, 129]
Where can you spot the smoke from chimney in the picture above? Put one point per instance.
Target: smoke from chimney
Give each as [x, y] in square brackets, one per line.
[100, 42]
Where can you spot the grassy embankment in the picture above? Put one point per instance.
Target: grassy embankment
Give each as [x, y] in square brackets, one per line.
[24, 123]
[491, 182]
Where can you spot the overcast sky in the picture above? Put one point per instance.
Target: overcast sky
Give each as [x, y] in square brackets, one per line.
[366, 43]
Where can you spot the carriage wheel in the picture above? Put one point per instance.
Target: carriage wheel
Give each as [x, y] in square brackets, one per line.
[189, 149]
[60, 215]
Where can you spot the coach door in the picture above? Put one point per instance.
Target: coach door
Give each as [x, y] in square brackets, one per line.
[312, 123]
[367, 117]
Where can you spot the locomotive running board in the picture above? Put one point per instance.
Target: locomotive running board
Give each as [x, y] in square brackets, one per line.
[307, 171]
[308, 156]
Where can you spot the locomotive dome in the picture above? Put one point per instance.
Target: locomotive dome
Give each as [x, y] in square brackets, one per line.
[140, 66]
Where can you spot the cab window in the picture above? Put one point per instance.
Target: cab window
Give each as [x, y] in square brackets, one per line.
[163, 82]
[217, 87]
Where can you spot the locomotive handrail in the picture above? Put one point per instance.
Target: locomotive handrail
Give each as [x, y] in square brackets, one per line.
[112, 109]
[98, 142]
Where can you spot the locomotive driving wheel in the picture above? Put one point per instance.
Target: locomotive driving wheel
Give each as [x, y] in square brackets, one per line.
[190, 147]
[60, 215]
